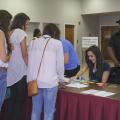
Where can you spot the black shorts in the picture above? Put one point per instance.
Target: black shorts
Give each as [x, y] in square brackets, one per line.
[72, 72]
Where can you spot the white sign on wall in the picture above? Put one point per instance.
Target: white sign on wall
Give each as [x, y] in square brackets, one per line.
[89, 41]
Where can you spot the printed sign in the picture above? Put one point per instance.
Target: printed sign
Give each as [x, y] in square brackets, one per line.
[89, 41]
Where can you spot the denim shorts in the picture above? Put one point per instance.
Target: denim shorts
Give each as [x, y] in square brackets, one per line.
[3, 86]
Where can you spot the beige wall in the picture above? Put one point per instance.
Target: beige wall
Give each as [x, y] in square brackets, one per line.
[57, 11]
[107, 19]
[99, 6]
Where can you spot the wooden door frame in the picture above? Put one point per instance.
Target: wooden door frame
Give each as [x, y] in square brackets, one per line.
[101, 34]
[75, 33]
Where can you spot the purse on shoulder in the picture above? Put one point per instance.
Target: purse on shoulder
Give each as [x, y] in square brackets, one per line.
[32, 84]
[32, 88]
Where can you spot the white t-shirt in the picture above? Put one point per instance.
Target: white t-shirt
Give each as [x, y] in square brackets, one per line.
[3, 64]
[52, 67]
[17, 67]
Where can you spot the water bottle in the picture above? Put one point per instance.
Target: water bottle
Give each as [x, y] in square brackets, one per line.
[81, 78]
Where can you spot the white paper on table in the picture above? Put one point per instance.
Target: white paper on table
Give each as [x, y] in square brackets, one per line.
[91, 91]
[66, 79]
[98, 93]
[104, 93]
[77, 85]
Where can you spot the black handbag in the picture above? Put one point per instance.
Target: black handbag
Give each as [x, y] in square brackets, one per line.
[114, 75]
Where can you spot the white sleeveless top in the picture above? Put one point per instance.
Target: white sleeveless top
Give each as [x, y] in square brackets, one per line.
[17, 67]
[4, 64]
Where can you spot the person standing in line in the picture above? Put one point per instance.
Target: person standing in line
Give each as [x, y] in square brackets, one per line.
[5, 18]
[36, 33]
[51, 71]
[71, 60]
[17, 70]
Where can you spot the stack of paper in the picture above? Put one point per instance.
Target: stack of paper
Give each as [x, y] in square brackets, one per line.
[98, 93]
[66, 79]
[91, 91]
[77, 85]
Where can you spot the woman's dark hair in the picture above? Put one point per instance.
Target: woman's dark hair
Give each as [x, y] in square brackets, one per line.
[99, 61]
[5, 18]
[52, 30]
[36, 32]
[19, 21]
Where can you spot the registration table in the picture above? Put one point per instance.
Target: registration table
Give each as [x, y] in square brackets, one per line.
[72, 104]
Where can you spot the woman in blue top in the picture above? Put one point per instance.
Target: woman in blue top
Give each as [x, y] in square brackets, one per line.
[71, 60]
[98, 70]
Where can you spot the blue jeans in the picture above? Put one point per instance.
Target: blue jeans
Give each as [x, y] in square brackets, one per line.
[3, 86]
[45, 99]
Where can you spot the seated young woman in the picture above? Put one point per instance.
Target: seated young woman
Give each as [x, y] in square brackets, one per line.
[98, 70]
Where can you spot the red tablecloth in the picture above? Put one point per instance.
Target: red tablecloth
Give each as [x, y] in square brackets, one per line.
[72, 106]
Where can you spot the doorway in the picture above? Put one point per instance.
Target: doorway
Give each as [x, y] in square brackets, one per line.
[106, 32]
[69, 33]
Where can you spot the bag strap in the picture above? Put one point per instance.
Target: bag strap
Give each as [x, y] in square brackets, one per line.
[42, 57]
